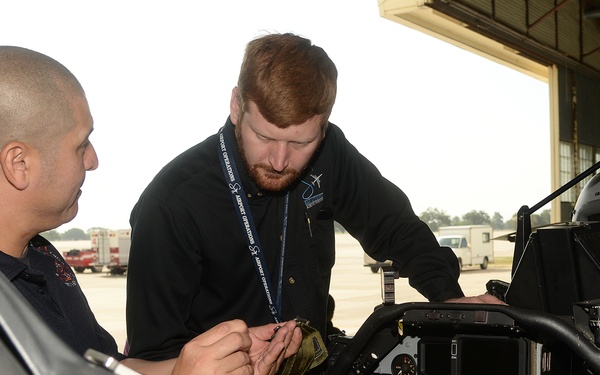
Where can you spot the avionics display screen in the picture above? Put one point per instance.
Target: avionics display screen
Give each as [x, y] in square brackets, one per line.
[434, 356]
[491, 355]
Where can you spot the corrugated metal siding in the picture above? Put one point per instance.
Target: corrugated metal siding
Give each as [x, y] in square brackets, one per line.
[484, 7]
[544, 31]
[588, 116]
[591, 42]
[512, 13]
[557, 25]
[569, 30]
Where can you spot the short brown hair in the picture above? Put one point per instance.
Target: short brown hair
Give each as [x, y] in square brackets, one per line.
[288, 78]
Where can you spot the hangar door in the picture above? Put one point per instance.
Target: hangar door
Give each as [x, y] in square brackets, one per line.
[556, 41]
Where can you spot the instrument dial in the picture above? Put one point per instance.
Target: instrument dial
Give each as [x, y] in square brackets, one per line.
[404, 364]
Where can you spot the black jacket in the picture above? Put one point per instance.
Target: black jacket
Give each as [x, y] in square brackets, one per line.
[189, 266]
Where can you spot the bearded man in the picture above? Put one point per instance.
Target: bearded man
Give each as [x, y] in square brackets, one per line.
[242, 224]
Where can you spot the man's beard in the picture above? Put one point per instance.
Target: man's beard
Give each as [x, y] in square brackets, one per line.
[268, 179]
[263, 175]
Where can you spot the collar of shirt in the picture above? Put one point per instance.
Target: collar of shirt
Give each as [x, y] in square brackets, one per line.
[15, 268]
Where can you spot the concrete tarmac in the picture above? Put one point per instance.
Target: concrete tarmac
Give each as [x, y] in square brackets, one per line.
[356, 289]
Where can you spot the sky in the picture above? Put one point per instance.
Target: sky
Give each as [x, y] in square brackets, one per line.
[453, 130]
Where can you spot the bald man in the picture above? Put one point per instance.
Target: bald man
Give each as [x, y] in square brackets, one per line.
[45, 152]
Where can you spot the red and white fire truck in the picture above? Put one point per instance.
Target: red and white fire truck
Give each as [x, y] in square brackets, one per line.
[111, 249]
[81, 259]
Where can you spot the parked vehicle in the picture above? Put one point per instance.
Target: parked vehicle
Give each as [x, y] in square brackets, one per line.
[82, 259]
[472, 244]
[112, 248]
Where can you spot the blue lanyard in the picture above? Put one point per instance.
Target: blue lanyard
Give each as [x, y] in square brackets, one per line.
[243, 210]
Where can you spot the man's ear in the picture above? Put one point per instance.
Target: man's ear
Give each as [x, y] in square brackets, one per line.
[234, 106]
[16, 164]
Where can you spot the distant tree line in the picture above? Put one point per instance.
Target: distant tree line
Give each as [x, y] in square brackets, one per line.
[73, 234]
[436, 218]
[433, 217]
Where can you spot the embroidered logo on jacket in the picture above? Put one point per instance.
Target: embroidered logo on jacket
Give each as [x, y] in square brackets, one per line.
[311, 194]
[61, 269]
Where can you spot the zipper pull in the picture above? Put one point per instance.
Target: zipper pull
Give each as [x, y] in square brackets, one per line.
[307, 218]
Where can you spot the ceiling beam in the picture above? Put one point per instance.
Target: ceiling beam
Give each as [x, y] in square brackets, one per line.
[418, 15]
[467, 28]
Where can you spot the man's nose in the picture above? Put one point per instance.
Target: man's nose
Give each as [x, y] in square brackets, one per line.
[91, 158]
[278, 157]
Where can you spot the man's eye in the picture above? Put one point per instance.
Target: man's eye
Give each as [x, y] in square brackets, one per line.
[262, 137]
[301, 144]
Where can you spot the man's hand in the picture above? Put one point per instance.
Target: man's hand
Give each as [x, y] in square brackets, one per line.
[483, 298]
[221, 350]
[230, 348]
[271, 345]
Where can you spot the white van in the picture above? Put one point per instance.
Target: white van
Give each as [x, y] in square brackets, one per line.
[472, 244]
